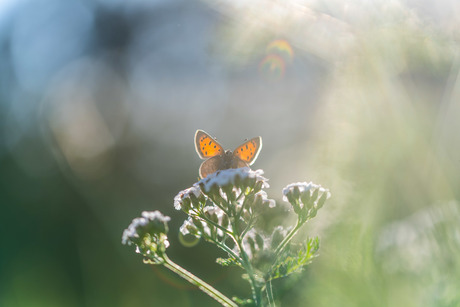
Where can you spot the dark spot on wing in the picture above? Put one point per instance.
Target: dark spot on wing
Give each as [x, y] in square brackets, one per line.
[246, 146]
[206, 153]
[215, 146]
[210, 142]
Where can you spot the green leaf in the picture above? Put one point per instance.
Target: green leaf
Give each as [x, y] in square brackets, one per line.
[243, 302]
[227, 262]
[295, 259]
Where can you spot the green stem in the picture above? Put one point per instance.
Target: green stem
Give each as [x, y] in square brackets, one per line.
[256, 290]
[246, 263]
[228, 250]
[269, 290]
[203, 286]
[288, 238]
[249, 227]
[245, 203]
[217, 204]
[225, 230]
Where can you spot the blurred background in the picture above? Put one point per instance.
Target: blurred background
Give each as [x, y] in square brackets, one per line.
[100, 100]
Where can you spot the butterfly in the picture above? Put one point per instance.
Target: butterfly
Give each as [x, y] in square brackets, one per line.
[219, 159]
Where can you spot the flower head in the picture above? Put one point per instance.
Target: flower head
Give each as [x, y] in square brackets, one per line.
[148, 233]
[305, 198]
[234, 177]
[261, 201]
[188, 198]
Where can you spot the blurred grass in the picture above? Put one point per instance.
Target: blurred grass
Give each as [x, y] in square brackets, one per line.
[368, 107]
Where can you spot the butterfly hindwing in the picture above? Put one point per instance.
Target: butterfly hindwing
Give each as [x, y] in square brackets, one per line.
[219, 163]
[249, 151]
[206, 146]
[211, 165]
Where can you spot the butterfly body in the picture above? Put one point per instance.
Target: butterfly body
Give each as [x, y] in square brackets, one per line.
[219, 159]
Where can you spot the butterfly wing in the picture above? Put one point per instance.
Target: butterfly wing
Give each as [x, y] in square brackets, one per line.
[211, 165]
[249, 151]
[206, 146]
[237, 163]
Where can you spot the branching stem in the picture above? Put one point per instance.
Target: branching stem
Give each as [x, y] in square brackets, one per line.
[203, 286]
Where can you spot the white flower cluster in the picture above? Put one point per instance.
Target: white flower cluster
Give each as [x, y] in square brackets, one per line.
[185, 195]
[222, 186]
[151, 222]
[233, 176]
[302, 187]
[199, 227]
[305, 198]
[229, 195]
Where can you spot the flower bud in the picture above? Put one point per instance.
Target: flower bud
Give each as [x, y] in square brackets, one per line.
[241, 225]
[296, 192]
[189, 198]
[188, 227]
[249, 181]
[314, 195]
[186, 205]
[237, 181]
[225, 220]
[258, 202]
[322, 199]
[277, 236]
[258, 186]
[306, 199]
[312, 213]
[260, 241]
[198, 224]
[148, 233]
[232, 196]
[250, 200]
[250, 242]
[211, 214]
[246, 215]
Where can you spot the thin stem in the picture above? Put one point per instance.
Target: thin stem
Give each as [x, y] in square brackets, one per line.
[217, 204]
[248, 227]
[244, 202]
[225, 230]
[246, 263]
[203, 286]
[256, 291]
[288, 238]
[269, 290]
[228, 250]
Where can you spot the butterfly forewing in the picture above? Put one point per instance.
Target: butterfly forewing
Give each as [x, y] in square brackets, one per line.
[206, 146]
[249, 151]
[218, 163]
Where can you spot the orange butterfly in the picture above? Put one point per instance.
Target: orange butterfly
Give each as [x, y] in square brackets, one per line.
[219, 159]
